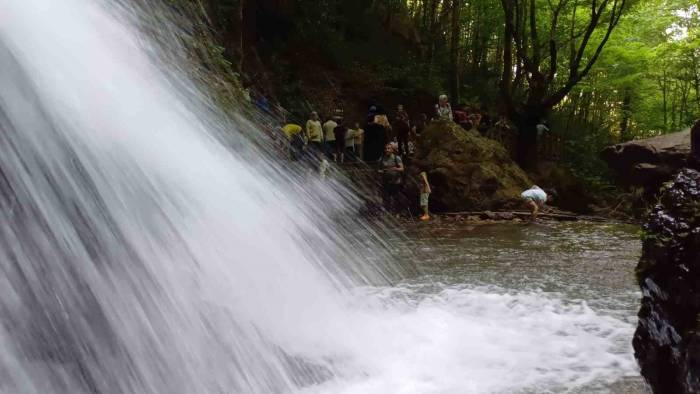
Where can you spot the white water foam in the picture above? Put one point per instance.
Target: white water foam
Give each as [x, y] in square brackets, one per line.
[480, 340]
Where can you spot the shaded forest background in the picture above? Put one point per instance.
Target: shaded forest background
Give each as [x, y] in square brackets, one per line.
[601, 71]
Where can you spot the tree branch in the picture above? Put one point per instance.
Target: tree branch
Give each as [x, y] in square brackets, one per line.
[535, 44]
[575, 74]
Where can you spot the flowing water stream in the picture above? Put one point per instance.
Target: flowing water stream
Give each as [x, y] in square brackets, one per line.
[147, 247]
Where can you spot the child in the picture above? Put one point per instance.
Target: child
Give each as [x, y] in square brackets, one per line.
[424, 195]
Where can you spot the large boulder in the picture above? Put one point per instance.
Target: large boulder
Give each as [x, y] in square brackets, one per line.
[667, 340]
[649, 162]
[468, 172]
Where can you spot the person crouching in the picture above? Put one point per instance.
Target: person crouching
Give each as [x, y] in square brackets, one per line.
[535, 199]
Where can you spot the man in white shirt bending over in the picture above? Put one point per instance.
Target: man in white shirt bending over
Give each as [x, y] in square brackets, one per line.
[535, 199]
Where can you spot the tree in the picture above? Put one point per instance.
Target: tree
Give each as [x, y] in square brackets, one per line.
[454, 52]
[536, 75]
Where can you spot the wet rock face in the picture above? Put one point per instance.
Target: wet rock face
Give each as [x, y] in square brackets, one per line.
[667, 340]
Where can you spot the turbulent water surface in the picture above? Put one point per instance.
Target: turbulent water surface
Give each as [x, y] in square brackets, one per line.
[146, 246]
[511, 308]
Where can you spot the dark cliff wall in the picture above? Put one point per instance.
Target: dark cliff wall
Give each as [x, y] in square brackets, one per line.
[667, 340]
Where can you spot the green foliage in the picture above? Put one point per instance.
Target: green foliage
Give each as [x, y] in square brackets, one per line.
[646, 80]
[652, 61]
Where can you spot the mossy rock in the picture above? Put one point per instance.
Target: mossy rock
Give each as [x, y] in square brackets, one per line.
[467, 172]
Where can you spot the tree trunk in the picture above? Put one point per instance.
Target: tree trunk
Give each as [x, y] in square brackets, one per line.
[506, 100]
[696, 78]
[454, 53]
[241, 42]
[626, 110]
[674, 100]
[432, 36]
[526, 154]
[662, 82]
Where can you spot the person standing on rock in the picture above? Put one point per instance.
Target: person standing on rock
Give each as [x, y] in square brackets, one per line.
[424, 195]
[443, 110]
[535, 199]
[391, 171]
[358, 135]
[339, 134]
[314, 133]
[375, 136]
[329, 136]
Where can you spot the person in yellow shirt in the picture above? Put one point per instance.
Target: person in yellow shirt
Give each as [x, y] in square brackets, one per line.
[329, 136]
[290, 130]
[296, 139]
[314, 132]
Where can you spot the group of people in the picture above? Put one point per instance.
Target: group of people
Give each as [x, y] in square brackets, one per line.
[331, 139]
[336, 141]
[387, 143]
[391, 169]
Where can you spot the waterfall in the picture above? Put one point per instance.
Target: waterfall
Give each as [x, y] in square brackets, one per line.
[148, 246]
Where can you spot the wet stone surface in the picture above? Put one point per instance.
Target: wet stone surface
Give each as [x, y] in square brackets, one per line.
[667, 340]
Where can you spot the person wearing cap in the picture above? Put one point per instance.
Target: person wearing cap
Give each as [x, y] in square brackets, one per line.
[371, 113]
[443, 110]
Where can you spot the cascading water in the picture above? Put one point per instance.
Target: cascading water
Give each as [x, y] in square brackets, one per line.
[143, 252]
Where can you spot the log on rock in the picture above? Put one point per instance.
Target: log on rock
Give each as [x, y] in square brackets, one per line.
[510, 215]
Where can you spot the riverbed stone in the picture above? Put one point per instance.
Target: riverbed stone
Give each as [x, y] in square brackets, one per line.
[667, 339]
[467, 171]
